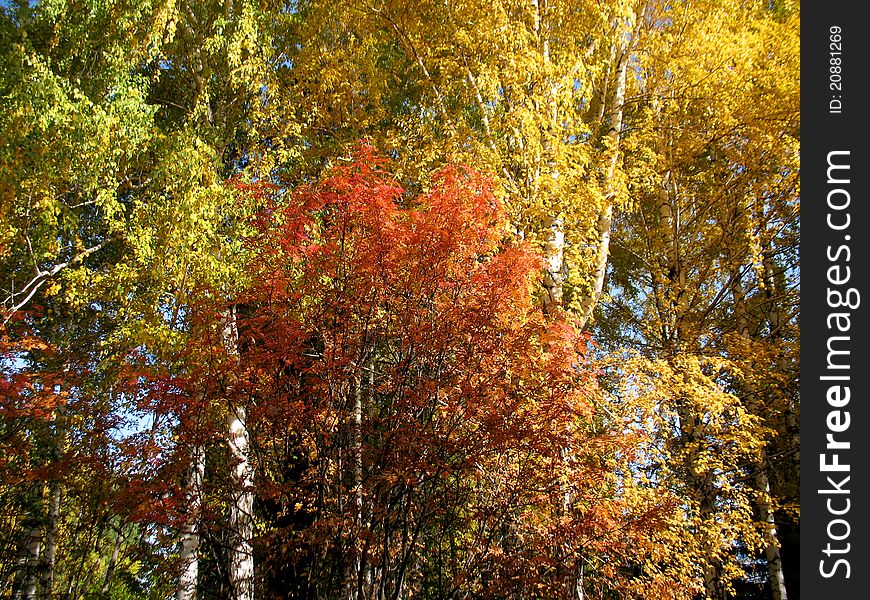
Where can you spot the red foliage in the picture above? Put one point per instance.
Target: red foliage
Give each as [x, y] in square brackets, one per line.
[402, 385]
[414, 415]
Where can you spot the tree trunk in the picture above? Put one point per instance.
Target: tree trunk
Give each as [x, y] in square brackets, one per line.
[554, 249]
[358, 575]
[113, 561]
[46, 577]
[704, 494]
[605, 214]
[241, 563]
[47, 561]
[764, 504]
[678, 336]
[241, 556]
[190, 538]
[30, 562]
[775, 575]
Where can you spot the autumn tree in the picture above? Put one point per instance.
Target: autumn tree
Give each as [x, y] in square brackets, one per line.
[229, 367]
[705, 270]
[121, 123]
[409, 407]
[533, 92]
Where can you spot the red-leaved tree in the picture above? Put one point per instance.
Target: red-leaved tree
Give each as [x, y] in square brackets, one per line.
[418, 427]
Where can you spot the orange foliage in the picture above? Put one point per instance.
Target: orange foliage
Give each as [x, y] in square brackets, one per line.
[418, 423]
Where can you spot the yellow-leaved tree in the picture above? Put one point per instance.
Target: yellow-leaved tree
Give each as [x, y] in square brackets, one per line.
[704, 281]
[533, 92]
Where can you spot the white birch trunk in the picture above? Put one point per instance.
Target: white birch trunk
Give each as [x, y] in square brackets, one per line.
[358, 474]
[554, 250]
[190, 538]
[241, 556]
[47, 561]
[51, 533]
[764, 504]
[241, 508]
[579, 592]
[33, 549]
[605, 215]
[775, 575]
[554, 226]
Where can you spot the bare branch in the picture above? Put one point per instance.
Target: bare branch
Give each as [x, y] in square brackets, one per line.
[41, 277]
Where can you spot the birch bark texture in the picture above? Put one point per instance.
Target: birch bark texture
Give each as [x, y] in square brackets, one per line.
[241, 498]
[190, 533]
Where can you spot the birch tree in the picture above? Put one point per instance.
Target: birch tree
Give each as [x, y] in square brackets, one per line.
[122, 124]
[533, 92]
[714, 164]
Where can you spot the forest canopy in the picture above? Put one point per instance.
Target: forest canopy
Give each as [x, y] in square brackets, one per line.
[389, 299]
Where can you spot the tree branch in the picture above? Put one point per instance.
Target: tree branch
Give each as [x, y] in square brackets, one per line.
[42, 276]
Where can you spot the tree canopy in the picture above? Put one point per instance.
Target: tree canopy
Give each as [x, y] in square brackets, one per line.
[399, 299]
